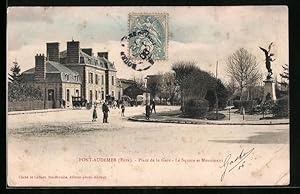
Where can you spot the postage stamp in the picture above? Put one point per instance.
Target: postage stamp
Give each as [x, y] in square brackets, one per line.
[153, 39]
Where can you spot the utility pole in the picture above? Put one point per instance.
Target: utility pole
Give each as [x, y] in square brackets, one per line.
[217, 101]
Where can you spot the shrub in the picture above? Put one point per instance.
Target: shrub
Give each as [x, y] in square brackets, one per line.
[23, 92]
[281, 108]
[249, 105]
[213, 116]
[196, 107]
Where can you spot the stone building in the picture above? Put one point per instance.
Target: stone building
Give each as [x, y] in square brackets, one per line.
[74, 72]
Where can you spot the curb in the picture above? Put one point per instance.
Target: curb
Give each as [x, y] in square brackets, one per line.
[205, 122]
[35, 112]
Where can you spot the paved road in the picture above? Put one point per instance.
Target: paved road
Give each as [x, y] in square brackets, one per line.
[61, 143]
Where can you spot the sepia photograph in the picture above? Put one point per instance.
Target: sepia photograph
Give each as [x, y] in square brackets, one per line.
[114, 96]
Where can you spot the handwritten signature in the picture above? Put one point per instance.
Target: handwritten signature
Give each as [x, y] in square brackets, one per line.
[238, 162]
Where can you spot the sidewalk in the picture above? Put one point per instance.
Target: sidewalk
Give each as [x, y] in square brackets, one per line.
[235, 119]
[36, 111]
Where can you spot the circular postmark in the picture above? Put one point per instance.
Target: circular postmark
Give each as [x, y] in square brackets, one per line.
[142, 47]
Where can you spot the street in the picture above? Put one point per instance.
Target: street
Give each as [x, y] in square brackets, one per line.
[68, 143]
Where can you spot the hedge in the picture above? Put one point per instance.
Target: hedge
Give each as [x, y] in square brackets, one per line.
[196, 107]
[213, 116]
[247, 104]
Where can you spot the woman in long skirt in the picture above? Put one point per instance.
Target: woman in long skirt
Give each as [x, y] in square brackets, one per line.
[94, 114]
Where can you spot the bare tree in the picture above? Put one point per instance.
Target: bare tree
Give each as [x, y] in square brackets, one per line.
[242, 68]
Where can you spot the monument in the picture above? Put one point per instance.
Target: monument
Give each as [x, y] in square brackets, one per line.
[269, 87]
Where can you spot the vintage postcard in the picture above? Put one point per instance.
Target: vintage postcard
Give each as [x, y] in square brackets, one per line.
[148, 96]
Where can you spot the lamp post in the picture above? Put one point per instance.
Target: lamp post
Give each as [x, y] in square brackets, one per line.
[216, 95]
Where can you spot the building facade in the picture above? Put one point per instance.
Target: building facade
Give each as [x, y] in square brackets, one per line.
[74, 72]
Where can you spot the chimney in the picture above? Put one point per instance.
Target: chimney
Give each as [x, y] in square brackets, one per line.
[88, 51]
[53, 51]
[73, 51]
[40, 67]
[103, 54]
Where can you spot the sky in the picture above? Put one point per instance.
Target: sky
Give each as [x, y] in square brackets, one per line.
[204, 34]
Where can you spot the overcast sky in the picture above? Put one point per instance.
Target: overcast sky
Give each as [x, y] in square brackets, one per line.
[200, 34]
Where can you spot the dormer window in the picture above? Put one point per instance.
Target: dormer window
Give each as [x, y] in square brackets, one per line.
[67, 77]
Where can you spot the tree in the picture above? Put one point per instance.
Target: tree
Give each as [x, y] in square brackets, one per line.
[242, 68]
[154, 84]
[133, 90]
[197, 83]
[285, 76]
[182, 69]
[222, 94]
[168, 86]
[15, 75]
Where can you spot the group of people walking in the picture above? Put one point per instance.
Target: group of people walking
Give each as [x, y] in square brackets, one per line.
[105, 110]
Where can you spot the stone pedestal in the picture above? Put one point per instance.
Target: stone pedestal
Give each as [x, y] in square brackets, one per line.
[269, 90]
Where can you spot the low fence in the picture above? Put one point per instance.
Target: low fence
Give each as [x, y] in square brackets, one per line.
[31, 105]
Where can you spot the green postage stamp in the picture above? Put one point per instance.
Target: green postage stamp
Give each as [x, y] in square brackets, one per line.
[150, 36]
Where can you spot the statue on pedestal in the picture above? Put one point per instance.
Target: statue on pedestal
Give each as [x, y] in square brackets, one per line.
[269, 59]
[269, 86]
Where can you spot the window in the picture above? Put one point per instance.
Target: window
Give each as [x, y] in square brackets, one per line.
[112, 80]
[96, 95]
[113, 93]
[96, 78]
[102, 95]
[68, 95]
[91, 95]
[50, 95]
[102, 79]
[67, 77]
[81, 60]
[77, 93]
[91, 78]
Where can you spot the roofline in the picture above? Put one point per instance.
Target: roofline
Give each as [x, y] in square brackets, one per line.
[83, 64]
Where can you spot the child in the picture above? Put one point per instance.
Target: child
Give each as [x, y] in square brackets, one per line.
[123, 110]
[94, 114]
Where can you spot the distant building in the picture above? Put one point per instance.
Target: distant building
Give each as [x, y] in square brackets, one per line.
[73, 72]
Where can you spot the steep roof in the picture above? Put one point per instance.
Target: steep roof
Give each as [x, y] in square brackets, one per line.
[92, 60]
[109, 65]
[55, 72]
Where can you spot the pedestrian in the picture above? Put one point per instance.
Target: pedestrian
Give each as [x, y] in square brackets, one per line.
[94, 114]
[105, 111]
[115, 104]
[118, 103]
[153, 107]
[148, 111]
[123, 110]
